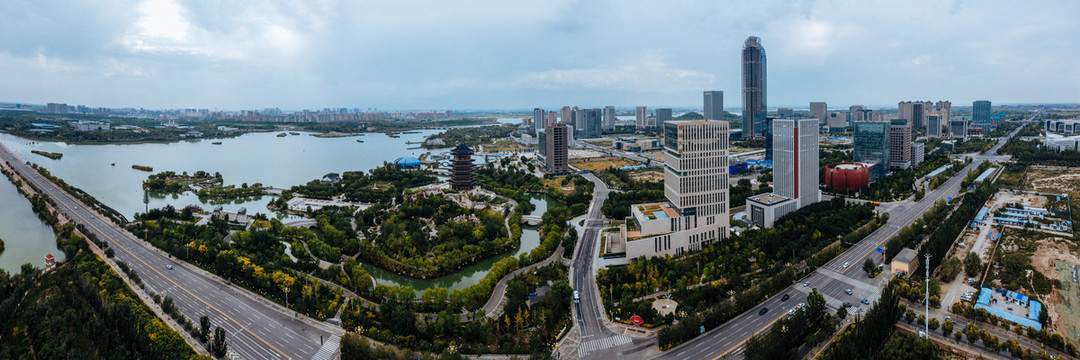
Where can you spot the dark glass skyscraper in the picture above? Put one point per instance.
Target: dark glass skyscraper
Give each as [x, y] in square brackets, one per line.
[753, 90]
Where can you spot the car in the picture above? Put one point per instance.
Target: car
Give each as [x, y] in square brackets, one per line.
[848, 291]
[805, 283]
[801, 305]
[948, 318]
[168, 266]
[865, 301]
[577, 298]
[792, 311]
[763, 311]
[785, 297]
[846, 264]
[846, 304]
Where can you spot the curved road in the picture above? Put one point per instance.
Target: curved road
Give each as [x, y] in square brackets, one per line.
[256, 327]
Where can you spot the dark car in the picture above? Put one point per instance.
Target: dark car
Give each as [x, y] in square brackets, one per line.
[763, 311]
[785, 297]
[846, 304]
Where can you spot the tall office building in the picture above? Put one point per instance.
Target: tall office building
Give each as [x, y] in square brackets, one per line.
[899, 144]
[872, 146]
[944, 110]
[609, 118]
[767, 133]
[663, 115]
[591, 122]
[539, 116]
[933, 125]
[714, 105]
[574, 119]
[916, 112]
[819, 110]
[552, 118]
[795, 160]
[980, 115]
[860, 113]
[754, 88]
[566, 116]
[558, 140]
[958, 129]
[641, 117]
[696, 187]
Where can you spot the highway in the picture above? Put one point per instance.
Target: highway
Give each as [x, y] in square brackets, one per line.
[831, 279]
[256, 327]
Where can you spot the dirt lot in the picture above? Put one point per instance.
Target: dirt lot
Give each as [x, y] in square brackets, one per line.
[597, 164]
[505, 145]
[648, 175]
[1054, 259]
[1054, 181]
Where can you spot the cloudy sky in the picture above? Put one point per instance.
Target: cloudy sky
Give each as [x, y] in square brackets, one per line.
[501, 54]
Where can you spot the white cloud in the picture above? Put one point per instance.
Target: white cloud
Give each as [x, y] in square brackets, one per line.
[647, 72]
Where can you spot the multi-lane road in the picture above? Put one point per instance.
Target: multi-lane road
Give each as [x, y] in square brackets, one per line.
[595, 340]
[256, 327]
[832, 279]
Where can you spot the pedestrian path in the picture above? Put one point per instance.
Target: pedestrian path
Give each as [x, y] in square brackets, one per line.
[601, 344]
[329, 347]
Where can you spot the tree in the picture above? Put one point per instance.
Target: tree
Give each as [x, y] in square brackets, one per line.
[841, 313]
[204, 328]
[868, 266]
[972, 264]
[220, 346]
[354, 347]
[946, 327]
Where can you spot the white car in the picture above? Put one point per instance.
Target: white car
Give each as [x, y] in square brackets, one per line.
[848, 291]
[846, 264]
[805, 283]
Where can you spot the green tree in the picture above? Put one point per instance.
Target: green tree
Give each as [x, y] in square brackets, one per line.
[947, 327]
[354, 347]
[204, 328]
[868, 266]
[972, 264]
[220, 346]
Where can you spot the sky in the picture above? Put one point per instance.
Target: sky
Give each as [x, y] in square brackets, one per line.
[404, 54]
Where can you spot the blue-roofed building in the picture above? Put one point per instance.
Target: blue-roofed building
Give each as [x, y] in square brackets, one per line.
[408, 162]
[985, 175]
[937, 171]
[1013, 306]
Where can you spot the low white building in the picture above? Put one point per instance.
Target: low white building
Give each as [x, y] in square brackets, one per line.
[764, 209]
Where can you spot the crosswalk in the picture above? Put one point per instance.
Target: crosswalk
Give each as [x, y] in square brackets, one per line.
[327, 350]
[600, 344]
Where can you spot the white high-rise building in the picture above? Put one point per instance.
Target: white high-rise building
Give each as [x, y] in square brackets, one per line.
[696, 187]
[795, 160]
[641, 121]
[609, 118]
[795, 172]
[538, 119]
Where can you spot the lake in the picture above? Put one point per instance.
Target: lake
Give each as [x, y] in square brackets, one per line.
[27, 239]
[104, 171]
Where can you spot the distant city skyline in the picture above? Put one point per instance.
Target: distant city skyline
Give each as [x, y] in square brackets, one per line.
[172, 54]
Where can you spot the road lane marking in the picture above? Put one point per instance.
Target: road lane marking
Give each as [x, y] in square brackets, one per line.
[89, 223]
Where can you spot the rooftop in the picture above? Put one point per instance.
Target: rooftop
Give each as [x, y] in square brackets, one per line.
[905, 256]
[657, 211]
[768, 199]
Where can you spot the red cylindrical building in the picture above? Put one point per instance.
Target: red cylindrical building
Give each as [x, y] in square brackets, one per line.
[847, 176]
